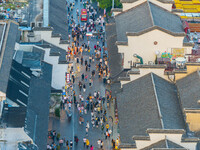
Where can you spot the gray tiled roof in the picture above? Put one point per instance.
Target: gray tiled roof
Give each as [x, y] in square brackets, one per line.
[18, 91]
[136, 105]
[14, 116]
[38, 106]
[163, 144]
[147, 16]
[169, 104]
[138, 109]
[188, 89]
[58, 18]
[8, 54]
[36, 54]
[131, 1]
[114, 58]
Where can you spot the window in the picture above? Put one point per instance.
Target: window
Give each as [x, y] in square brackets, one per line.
[84, 16]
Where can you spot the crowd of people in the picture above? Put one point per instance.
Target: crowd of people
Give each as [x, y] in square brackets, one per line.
[91, 59]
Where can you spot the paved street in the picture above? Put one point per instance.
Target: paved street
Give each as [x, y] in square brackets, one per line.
[70, 128]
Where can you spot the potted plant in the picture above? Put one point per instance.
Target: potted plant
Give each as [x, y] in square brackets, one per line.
[58, 136]
[57, 112]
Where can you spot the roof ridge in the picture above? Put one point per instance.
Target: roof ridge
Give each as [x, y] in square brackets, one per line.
[130, 9]
[167, 144]
[150, 12]
[157, 102]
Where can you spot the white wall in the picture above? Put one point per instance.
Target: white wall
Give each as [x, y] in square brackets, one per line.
[143, 46]
[47, 36]
[59, 70]
[156, 137]
[53, 40]
[166, 6]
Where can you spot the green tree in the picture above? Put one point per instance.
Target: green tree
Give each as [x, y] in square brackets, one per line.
[57, 112]
[108, 4]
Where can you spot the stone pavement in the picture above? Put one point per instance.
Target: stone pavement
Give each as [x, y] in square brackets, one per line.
[69, 128]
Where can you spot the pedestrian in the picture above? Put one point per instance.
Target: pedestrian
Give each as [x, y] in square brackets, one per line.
[71, 143]
[76, 139]
[102, 127]
[84, 141]
[83, 76]
[93, 123]
[84, 87]
[86, 129]
[81, 60]
[86, 77]
[80, 120]
[113, 143]
[67, 143]
[91, 147]
[87, 143]
[86, 68]
[90, 82]
[85, 110]
[106, 134]
[90, 59]
[88, 124]
[101, 144]
[109, 132]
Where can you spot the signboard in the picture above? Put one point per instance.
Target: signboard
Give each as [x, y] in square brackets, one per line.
[67, 77]
[178, 52]
[166, 55]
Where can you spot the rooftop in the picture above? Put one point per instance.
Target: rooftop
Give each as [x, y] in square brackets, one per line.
[164, 144]
[57, 51]
[146, 17]
[188, 89]
[6, 53]
[58, 18]
[38, 106]
[131, 1]
[114, 58]
[148, 97]
[18, 85]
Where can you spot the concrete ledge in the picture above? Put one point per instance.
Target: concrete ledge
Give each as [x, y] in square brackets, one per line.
[64, 42]
[56, 35]
[116, 9]
[151, 66]
[146, 138]
[42, 29]
[121, 43]
[162, 1]
[169, 131]
[127, 146]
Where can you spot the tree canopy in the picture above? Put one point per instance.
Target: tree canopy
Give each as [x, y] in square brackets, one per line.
[108, 4]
